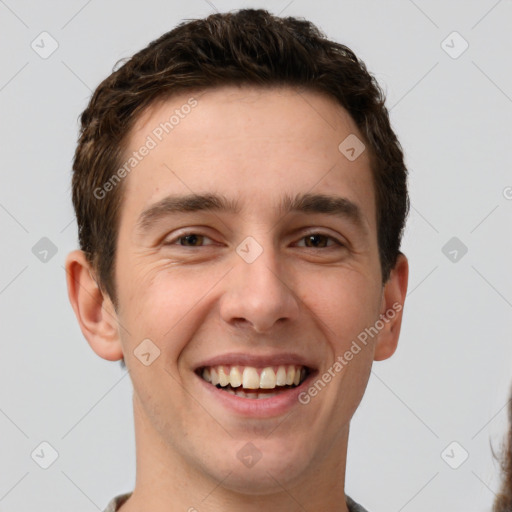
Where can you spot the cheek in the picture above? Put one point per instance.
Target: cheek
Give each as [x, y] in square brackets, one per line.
[165, 304]
[344, 304]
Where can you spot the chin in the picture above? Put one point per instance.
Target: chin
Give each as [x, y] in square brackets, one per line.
[264, 467]
[262, 481]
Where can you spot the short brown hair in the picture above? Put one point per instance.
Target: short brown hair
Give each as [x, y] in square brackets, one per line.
[503, 500]
[247, 47]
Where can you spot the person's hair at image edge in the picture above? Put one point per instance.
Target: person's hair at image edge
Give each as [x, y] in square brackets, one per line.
[503, 501]
[248, 47]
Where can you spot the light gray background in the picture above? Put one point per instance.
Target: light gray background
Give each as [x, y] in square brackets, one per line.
[450, 376]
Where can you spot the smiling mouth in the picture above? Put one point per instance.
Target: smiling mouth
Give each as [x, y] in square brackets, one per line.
[251, 382]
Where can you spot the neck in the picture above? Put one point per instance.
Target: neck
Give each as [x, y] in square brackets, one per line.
[165, 482]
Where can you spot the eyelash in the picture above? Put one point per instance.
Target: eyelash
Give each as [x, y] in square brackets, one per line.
[312, 233]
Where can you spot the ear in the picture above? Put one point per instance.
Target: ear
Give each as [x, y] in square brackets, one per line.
[93, 309]
[393, 298]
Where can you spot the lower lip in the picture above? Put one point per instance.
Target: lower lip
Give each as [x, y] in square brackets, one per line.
[258, 407]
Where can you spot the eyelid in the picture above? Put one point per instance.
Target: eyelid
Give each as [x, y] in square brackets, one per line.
[298, 234]
[320, 232]
[312, 231]
[181, 234]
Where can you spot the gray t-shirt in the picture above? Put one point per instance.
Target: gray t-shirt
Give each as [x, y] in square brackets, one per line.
[116, 502]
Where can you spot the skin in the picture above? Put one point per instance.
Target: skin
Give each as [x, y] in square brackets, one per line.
[198, 302]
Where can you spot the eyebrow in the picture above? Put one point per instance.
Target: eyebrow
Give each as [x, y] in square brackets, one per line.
[182, 204]
[302, 203]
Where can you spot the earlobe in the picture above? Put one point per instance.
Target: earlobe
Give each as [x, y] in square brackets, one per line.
[393, 299]
[93, 309]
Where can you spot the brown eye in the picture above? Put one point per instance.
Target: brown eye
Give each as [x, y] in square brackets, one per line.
[191, 240]
[316, 240]
[319, 241]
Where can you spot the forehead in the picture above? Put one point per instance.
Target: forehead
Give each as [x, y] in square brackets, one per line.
[253, 145]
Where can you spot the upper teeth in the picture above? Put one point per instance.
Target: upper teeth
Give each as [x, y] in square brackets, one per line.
[253, 378]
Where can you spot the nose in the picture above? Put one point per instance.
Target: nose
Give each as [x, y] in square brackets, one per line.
[259, 294]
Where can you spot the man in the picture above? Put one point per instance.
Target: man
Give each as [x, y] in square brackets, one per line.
[240, 197]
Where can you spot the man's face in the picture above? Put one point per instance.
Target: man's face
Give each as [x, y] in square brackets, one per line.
[248, 290]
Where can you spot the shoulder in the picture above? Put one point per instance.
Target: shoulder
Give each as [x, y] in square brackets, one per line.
[353, 506]
[116, 502]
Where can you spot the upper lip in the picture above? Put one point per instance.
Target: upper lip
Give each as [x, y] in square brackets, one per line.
[256, 361]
